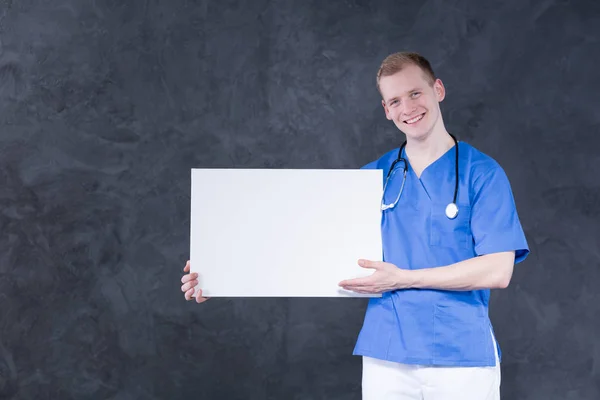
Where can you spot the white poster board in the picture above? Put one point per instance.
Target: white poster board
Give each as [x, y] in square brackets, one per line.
[282, 232]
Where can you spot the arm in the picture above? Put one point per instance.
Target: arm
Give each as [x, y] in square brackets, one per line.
[496, 232]
[490, 271]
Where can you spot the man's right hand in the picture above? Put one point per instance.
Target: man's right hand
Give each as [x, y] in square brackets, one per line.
[190, 281]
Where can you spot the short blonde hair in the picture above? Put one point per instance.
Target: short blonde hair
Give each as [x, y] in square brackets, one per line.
[397, 61]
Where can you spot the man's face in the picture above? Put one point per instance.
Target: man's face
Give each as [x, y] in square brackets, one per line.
[411, 102]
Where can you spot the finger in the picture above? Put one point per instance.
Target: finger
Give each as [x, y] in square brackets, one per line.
[368, 264]
[362, 289]
[199, 298]
[189, 294]
[355, 282]
[361, 285]
[187, 266]
[190, 285]
[357, 289]
[189, 277]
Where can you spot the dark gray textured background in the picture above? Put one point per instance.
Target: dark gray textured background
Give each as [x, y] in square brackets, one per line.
[106, 105]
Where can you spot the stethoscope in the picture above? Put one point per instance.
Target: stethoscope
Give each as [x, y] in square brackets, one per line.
[451, 208]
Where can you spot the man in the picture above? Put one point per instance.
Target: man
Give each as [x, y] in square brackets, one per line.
[450, 233]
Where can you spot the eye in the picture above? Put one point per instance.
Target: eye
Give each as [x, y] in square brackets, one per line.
[414, 95]
[394, 102]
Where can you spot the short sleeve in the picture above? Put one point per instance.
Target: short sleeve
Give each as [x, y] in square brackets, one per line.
[371, 165]
[495, 223]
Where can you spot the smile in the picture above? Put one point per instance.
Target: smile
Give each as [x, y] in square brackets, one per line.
[415, 119]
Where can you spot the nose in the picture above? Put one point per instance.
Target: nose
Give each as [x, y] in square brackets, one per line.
[409, 107]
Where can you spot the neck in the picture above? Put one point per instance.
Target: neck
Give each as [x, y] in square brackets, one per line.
[430, 148]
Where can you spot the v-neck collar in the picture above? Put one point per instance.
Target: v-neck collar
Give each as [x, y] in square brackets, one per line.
[431, 166]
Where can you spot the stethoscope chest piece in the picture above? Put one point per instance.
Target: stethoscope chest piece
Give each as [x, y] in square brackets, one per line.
[451, 211]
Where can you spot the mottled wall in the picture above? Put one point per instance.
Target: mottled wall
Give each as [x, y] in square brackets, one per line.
[105, 106]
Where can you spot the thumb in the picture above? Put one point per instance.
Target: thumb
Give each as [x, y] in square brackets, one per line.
[368, 264]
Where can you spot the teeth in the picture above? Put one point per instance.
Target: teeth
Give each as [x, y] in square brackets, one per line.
[415, 119]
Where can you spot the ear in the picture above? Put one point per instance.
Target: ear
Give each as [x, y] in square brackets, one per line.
[387, 112]
[440, 90]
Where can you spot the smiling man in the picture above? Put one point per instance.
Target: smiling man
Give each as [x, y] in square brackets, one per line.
[450, 233]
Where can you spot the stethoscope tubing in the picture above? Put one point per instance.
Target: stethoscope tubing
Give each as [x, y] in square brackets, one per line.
[451, 209]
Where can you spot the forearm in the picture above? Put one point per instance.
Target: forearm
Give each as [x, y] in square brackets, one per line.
[492, 271]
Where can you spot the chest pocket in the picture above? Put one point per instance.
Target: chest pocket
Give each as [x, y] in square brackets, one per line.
[446, 232]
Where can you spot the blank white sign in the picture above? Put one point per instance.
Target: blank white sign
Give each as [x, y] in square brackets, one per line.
[283, 233]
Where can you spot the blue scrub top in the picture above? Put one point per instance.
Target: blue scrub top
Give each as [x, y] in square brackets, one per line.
[439, 327]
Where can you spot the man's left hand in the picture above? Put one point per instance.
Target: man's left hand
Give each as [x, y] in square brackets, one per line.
[387, 277]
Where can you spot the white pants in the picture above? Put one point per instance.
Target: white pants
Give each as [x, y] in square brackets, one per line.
[385, 380]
